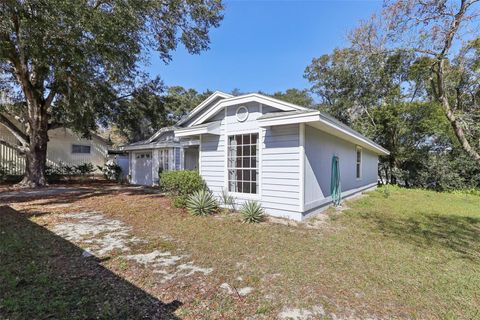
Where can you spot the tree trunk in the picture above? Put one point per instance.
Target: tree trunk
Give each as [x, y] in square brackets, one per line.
[458, 130]
[449, 113]
[36, 155]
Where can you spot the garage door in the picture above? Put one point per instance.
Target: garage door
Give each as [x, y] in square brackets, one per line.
[142, 173]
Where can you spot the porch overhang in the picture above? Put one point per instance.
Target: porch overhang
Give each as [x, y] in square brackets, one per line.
[324, 123]
[147, 146]
[207, 128]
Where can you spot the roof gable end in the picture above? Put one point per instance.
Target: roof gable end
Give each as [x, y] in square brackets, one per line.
[208, 113]
[212, 99]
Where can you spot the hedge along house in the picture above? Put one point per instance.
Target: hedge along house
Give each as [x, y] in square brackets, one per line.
[258, 148]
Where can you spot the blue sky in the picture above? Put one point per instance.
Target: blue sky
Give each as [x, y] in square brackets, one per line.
[264, 45]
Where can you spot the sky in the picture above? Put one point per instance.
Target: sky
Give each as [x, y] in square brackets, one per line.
[264, 45]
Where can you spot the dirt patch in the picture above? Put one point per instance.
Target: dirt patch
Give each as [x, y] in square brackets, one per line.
[316, 312]
[94, 232]
[167, 265]
[101, 236]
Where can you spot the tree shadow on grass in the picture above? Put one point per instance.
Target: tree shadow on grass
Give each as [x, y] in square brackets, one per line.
[43, 276]
[69, 194]
[460, 234]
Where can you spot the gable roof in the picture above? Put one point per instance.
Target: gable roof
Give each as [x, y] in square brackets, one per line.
[205, 103]
[159, 133]
[289, 114]
[207, 113]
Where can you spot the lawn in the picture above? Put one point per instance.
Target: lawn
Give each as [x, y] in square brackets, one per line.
[390, 254]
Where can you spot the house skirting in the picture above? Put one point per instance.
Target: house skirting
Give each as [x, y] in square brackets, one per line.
[318, 206]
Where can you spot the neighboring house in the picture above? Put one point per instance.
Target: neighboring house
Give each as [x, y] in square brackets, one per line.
[259, 148]
[64, 147]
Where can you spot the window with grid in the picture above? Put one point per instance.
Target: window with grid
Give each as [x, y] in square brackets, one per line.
[359, 163]
[243, 163]
[79, 148]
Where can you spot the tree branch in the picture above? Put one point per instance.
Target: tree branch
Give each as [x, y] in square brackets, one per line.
[50, 97]
[22, 150]
[22, 137]
[454, 122]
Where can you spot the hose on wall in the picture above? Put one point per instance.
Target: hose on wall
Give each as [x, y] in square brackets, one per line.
[335, 185]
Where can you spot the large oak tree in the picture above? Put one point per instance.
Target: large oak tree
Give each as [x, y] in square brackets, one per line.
[442, 33]
[66, 63]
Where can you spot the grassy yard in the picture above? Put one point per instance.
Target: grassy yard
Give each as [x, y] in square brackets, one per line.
[397, 254]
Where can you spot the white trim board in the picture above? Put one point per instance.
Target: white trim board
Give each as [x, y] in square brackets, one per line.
[211, 128]
[206, 102]
[301, 150]
[316, 120]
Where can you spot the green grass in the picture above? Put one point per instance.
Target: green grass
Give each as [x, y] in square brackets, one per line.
[42, 276]
[397, 254]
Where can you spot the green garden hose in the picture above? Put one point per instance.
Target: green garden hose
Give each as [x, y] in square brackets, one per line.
[335, 186]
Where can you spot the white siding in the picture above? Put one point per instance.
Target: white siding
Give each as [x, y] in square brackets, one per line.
[213, 162]
[278, 181]
[59, 150]
[281, 161]
[281, 171]
[212, 158]
[320, 147]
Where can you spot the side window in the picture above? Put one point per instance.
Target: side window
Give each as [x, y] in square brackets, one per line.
[358, 164]
[79, 148]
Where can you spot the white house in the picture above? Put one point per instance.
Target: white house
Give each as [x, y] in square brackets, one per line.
[64, 147]
[257, 147]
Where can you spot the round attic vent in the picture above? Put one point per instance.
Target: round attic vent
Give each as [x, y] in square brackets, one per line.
[242, 113]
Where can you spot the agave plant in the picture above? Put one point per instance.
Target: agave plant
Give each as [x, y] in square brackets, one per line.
[201, 203]
[252, 212]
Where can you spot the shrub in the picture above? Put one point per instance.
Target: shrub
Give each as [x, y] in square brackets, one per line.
[386, 191]
[85, 169]
[3, 174]
[111, 171]
[62, 170]
[180, 184]
[227, 201]
[201, 203]
[252, 212]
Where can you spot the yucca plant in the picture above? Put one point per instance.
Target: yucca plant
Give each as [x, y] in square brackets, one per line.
[227, 201]
[201, 203]
[252, 212]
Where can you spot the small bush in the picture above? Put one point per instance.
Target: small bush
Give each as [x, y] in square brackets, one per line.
[180, 184]
[386, 191]
[201, 203]
[85, 169]
[252, 212]
[111, 171]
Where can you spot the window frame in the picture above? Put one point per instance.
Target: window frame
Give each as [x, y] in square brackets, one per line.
[250, 181]
[81, 146]
[358, 164]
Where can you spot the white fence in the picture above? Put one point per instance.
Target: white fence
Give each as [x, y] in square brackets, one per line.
[11, 161]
